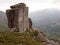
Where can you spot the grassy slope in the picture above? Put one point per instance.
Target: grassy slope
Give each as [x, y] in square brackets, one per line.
[14, 38]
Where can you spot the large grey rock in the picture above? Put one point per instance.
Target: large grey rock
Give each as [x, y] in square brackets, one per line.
[18, 17]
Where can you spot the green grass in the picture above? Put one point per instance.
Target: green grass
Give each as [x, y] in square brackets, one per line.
[14, 38]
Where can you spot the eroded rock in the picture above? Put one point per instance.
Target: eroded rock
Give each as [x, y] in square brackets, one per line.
[18, 17]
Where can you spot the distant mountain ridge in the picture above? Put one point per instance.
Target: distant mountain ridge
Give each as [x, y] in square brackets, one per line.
[3, 21]
[47, 20]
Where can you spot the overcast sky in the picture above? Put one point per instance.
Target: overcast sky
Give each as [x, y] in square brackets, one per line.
[34, 5]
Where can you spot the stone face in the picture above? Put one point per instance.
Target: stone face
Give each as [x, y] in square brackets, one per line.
[30, 23]
[41, 37]
[18, 17]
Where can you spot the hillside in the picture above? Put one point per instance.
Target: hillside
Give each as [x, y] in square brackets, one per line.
[29, 37]
[17, 38]
[47, 20]
[3, 21]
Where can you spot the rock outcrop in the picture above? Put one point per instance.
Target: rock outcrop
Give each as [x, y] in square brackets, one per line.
[45, 41]
[18, 18]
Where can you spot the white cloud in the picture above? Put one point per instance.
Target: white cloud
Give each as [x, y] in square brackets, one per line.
[33, 5]
[56, 1]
